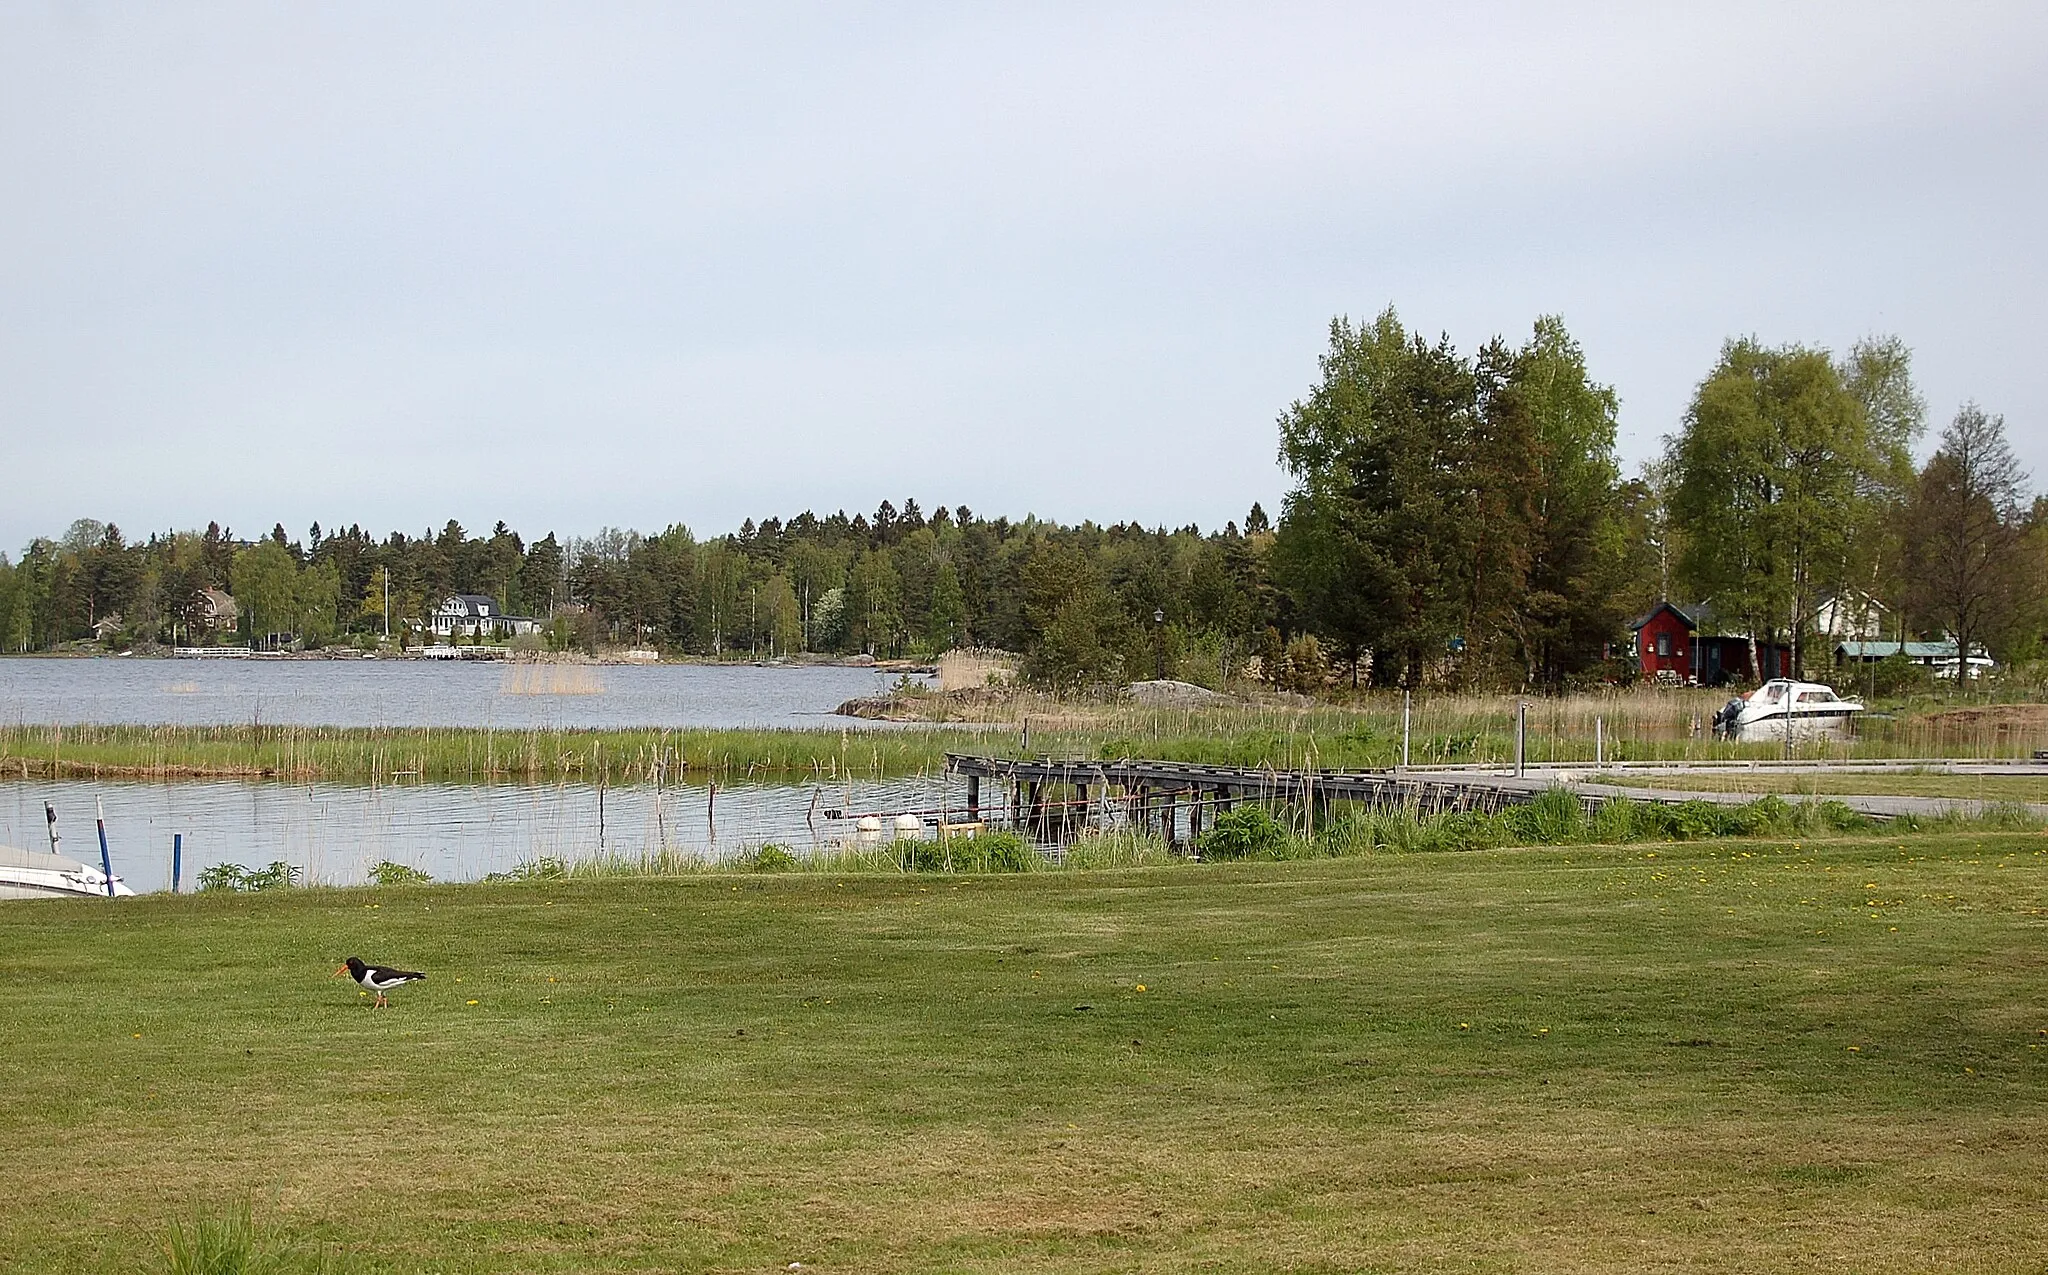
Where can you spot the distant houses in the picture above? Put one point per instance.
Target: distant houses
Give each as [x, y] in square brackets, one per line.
[1687, 647]
[1938, 656]
[475, 615]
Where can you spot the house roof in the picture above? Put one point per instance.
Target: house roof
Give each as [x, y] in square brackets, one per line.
[1655, 611]
[471, 603]
[1913, 650]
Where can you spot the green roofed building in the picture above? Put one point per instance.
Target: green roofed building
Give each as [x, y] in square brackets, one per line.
[1939, 656]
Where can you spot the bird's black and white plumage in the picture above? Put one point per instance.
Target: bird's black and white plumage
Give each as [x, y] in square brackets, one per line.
[377, 978]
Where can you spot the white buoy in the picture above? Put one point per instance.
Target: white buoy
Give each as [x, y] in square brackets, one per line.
[909, 826]
[869, 828]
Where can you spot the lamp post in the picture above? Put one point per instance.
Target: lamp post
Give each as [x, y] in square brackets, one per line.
[1159, 643]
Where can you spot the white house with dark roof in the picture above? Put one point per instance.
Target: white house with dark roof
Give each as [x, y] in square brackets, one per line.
[475, 615]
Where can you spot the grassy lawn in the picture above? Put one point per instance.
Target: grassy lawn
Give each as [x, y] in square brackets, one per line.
[1719, 1056]
[2029, 788]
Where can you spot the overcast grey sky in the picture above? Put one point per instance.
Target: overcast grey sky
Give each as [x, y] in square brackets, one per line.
[575, 265]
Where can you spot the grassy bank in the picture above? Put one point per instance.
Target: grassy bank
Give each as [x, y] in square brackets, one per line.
[1635, 725]
[1760, 1056]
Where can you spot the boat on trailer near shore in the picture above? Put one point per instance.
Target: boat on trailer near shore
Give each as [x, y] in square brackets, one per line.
[1781, 703]
[39, 874]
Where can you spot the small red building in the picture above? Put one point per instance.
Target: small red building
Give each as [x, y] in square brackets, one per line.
[1680, 649]
[1664, 642]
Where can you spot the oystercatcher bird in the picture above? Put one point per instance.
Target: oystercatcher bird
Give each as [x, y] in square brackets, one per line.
[377, 978]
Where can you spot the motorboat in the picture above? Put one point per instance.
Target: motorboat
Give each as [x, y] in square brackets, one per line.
[35, 874]
[1781, 703]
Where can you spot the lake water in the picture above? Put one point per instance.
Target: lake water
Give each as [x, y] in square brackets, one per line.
[455, 832]
[194, 692]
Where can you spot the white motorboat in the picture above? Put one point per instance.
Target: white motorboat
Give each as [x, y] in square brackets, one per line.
[1782, 702]
[34, 874]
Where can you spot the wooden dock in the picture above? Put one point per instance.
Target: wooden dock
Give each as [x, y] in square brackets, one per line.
[1054, 800]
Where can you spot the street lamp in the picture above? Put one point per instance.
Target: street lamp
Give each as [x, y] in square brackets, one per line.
[1159, 643]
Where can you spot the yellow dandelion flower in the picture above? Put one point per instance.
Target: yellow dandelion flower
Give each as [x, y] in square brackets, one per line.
[472, 1002]
[1141, 987]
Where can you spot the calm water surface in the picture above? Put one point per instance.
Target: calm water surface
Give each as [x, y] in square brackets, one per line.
[455, 832]
[423, 693]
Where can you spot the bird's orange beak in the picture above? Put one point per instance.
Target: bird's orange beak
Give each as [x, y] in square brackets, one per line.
[338, 973]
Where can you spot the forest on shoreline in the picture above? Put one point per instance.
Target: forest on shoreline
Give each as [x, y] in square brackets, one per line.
[1457, 521]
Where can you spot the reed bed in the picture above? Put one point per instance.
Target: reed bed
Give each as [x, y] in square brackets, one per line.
[1636, 725]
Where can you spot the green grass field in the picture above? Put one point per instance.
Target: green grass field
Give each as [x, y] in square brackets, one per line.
[1728, 1056]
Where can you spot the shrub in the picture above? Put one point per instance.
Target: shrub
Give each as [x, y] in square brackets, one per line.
[1836, 816]
[1554, 818]
[545, 868]
[389, 873]
[1248, 832]
[993, 852]
[235, 877]
[1764, 815]
[768, 858]
[914, 854]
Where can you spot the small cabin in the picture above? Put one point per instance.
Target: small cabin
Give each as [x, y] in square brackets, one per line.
[1664, 645]
[1678, 648]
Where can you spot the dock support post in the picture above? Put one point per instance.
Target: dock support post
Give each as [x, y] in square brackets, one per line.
[106, 860]
[1521, 730]
[177, 859]
[1195, 817]
[973, 798]
[1167, 821]
[1077, 814]
[1407, 700]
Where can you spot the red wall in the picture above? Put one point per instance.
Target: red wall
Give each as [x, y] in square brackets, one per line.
[1679, 662]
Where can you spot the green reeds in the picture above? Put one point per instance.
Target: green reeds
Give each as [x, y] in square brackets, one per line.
[1635, 725]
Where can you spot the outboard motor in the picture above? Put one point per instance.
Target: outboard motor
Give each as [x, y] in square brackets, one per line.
[1725, 719]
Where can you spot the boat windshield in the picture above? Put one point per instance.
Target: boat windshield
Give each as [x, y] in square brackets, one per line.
[1822, 696]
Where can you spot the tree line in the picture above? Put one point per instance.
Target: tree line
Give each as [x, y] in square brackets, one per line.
[1457, 520]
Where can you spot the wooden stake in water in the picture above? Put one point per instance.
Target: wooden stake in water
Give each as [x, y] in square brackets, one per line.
[106, 860]
[177, 859]
[50, 814]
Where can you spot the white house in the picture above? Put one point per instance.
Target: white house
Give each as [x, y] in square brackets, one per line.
[477, 615]
[1849, 614]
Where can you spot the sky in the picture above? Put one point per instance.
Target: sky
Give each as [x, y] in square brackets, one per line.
[575, 266]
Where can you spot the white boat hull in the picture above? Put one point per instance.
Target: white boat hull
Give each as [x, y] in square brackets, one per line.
[25, 874]
[1782, 706]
